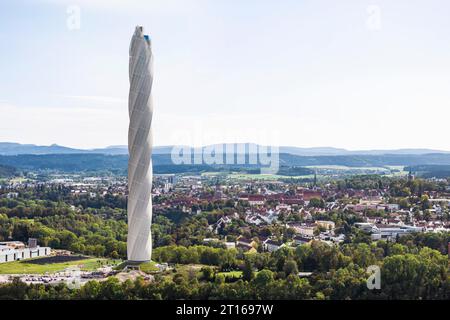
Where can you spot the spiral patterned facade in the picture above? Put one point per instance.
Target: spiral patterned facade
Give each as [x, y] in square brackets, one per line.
[140, 107]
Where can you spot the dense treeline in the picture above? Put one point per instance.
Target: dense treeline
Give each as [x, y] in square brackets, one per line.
[395, 186]
[224, 258]
[406, 273]
[99, 232]
[91, 225]
[81, 233]
[36, 199]
[7, 171]
[430, 171]
[163, 162]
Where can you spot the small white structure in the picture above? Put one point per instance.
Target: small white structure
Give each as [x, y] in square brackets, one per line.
[272, 245]
[385, 231]
[11, 251]
[391, 232]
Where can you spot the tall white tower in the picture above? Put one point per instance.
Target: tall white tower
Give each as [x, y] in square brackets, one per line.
[140, 145]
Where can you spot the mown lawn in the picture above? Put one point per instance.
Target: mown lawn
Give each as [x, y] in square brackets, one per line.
[149, 267]
[257, 176]
[30, 266]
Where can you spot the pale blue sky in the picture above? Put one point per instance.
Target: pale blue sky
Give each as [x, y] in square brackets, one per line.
[355, 74]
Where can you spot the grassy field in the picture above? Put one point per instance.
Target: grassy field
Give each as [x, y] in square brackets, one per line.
[248, 176]
[400, 171]
[147, 267]
[347, 168]
[18, 180]
[214, 174]
[32, 266]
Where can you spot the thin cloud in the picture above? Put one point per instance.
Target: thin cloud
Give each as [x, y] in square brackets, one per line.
[129, 5]
[102, 99]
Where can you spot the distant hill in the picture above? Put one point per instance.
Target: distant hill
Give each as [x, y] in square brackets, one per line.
[328, 151]
[162, 163]
[112, 150]
[67, 162]
[8, 148]
[117, 150]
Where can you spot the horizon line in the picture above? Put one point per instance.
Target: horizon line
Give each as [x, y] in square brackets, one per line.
[234, 143]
